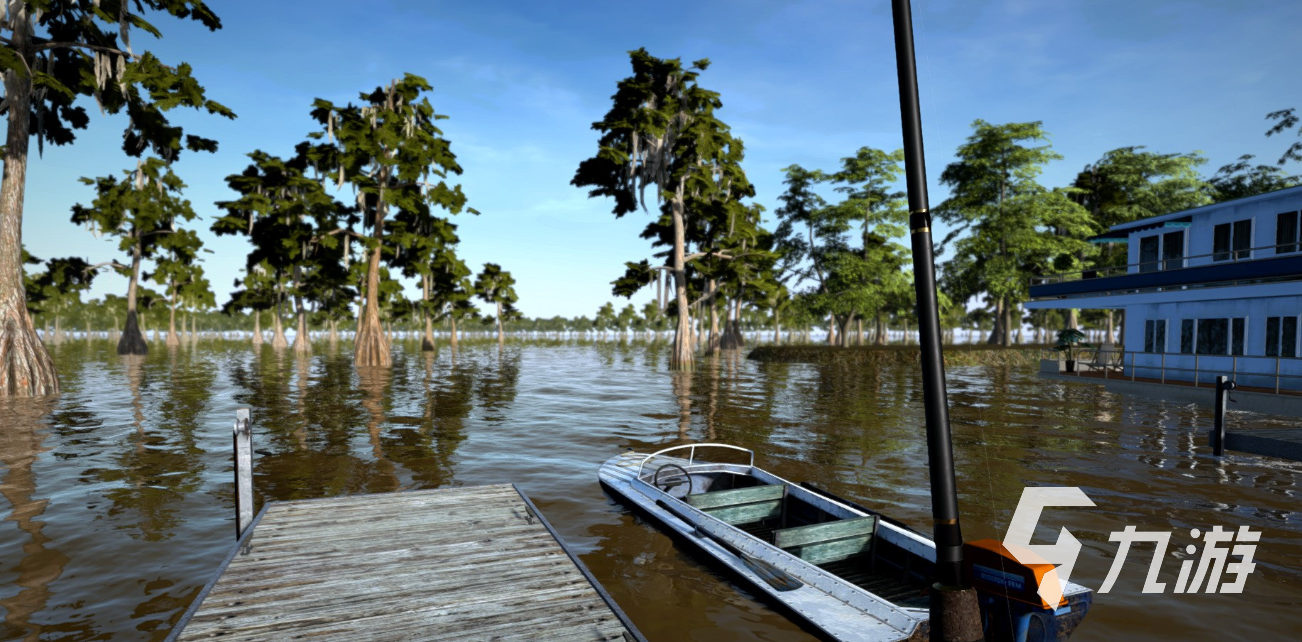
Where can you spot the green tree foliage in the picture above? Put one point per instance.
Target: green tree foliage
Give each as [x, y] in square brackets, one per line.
[496, 287]
[297, 231]
[258, 292]
[387, 148]
[51, 53]
[604, 319]
[1288, 119]
[1128, 184]
[661, 131]
[56, 292]
[1241, 179]
[847, 251]
[175, 268]
[141, 210]
[1007, 217]
[426, 245]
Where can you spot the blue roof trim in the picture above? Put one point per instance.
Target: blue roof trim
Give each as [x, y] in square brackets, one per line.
[1279, 193]
[1284, 266]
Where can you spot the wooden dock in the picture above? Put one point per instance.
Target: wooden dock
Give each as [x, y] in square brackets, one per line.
[1284, 443]
[453, 564]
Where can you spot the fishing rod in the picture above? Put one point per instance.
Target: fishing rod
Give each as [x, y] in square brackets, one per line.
[955, 616]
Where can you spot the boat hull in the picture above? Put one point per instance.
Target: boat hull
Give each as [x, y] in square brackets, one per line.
[827, 604]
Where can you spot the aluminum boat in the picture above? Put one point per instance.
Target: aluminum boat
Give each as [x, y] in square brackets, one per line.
[846, 571]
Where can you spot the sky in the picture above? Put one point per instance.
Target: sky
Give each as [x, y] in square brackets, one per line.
[803, 83]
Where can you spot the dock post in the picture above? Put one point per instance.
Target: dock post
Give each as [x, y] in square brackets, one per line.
[1223, 388]
[243, 471]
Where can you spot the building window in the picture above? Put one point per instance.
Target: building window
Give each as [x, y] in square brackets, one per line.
[1232, 240]
[1148, 247]
[1173, 250]
[1155, 335]
[1213, 336]
[1281, 336]
[1286, 233]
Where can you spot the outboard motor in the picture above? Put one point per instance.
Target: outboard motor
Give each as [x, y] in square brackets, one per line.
[1008, 592]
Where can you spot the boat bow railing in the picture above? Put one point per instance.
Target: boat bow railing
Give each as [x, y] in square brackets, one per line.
[691, 456]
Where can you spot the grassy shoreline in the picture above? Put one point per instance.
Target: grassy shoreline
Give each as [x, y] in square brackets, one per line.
[960, 355]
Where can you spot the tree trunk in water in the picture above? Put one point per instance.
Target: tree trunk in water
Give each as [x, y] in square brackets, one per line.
[173, 339]
[133, 340]
[26, 369]
[732, 337]
[712, 344]
[334, 331]
[501, 336]
[427, 343]
[880, 339]
[454, 332]
[682, 358]
[777, 327]
[997, 332]
[831, 329]
[1072, 322]
[371, 347]
[1110, 335]
[302, 340]
[278, 339]
[257, 328]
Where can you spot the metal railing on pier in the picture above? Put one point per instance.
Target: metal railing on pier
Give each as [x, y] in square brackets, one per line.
[1281, 375]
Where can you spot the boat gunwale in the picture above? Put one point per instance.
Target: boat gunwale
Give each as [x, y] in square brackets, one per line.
[904, 621]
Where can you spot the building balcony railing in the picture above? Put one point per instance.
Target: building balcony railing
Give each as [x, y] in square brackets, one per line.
[1280, 375]
[1222, 269]
[1174, 263]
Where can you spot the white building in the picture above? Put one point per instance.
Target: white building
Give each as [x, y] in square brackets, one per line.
[1211, 290]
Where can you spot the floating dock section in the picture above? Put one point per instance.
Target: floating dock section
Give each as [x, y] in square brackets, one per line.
[478, 563]
[1284, 443]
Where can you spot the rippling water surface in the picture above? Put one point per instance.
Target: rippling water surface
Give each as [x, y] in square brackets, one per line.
[117, 496]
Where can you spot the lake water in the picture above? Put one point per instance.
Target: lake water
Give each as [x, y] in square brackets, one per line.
[117, 496]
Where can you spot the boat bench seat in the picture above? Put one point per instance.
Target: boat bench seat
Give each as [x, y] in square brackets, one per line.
[829, 541]
[741, 505]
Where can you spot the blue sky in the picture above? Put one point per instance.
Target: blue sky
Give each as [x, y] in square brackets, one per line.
[801, 82]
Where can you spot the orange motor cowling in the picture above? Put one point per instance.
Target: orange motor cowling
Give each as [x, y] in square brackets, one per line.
[990, 568]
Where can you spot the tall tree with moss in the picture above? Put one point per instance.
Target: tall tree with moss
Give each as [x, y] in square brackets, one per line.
[496, 287]
[424, 245]
[257, 291]
[195, 293]
[451, 291]
[175, 266]
[389, 149]
[51, 53]
[662, 132]
[141, 209]
[296, 228]
[1007, 217]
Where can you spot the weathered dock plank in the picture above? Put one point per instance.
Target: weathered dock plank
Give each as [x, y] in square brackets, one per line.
[1284, 443]
[449, 564]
